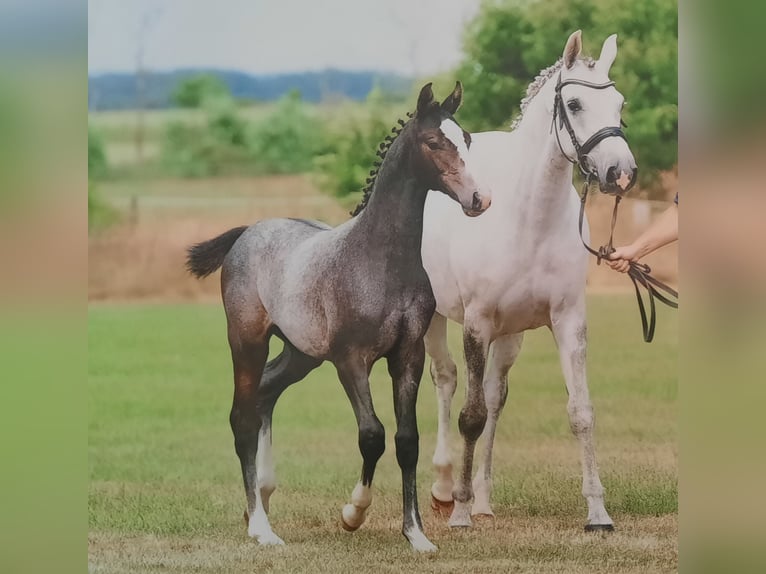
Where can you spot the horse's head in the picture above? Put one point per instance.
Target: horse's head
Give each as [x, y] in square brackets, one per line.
[440, 151]
[587, 112]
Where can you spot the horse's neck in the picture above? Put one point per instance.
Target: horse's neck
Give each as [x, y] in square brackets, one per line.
[393, 218]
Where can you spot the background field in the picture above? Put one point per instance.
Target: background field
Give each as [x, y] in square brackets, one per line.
[165, 489]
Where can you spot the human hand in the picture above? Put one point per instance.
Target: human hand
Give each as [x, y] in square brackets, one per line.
[620, 258]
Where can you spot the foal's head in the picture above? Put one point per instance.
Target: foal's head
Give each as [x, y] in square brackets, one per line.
[591, 103]
[440, 151]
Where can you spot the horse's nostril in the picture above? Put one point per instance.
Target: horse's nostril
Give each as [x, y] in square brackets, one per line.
[611, 174]
[476, 204]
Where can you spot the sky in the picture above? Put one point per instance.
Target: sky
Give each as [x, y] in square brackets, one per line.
[413, 37]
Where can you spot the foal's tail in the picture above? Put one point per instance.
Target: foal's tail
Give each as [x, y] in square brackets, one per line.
[204, 258]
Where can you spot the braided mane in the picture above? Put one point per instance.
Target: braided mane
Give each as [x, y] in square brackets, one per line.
[537, 84]
[381, 152]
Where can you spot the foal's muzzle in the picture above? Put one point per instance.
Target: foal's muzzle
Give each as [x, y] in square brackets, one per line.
[479, 204]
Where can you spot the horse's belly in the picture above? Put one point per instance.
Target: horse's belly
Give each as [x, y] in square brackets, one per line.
[517, 312]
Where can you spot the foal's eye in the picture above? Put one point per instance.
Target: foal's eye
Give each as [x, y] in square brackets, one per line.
[574, 106]
[433, 145]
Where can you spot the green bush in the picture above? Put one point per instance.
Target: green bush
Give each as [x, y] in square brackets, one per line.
[510, 42]
[343, 170]
[288, 139]
[217, 146]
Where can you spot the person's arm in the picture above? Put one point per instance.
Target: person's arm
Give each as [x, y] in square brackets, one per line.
[663, 231]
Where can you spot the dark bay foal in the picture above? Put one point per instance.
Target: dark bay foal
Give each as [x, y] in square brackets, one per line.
[350, 295]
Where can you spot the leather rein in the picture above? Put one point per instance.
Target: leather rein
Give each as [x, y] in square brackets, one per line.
[639, 273]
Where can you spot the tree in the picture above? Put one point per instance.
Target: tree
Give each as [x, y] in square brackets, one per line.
[509, 42]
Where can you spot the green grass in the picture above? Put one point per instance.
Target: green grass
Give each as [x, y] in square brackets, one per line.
[166, 496]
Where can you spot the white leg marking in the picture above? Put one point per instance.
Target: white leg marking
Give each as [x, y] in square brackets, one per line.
[418, 539]
[258, 524]
[267, 481]
[354, 514]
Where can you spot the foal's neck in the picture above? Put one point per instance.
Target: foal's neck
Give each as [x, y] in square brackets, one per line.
[393, 217]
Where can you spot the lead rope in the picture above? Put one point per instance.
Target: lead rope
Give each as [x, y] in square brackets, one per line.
[639, 273]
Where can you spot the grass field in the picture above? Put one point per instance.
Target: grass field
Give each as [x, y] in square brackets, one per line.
[165, 490]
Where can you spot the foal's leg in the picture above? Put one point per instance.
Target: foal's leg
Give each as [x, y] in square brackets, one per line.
[249, 350]
[473, 415]
[570, 332]
[372, 440]
[289, 367]
[444, 376]
[503, 353]
[406, 369]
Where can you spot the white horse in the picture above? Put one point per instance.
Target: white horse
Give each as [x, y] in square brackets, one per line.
[521, 266]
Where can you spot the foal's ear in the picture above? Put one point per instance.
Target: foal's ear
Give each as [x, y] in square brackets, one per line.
[453, 101]
[608, 53]
[425, 99]
[572, 49]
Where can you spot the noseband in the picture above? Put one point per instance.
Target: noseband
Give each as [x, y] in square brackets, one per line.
[639, 273]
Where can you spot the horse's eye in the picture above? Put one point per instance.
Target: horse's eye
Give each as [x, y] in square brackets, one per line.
[433, 145]
[574, 106]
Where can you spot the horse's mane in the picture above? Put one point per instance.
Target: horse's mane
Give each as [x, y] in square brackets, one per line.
[382, 149]
[537, 84]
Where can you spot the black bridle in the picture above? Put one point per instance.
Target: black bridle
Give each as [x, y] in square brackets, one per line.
[639, 273]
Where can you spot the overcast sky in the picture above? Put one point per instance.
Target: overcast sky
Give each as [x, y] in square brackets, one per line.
[267, 36]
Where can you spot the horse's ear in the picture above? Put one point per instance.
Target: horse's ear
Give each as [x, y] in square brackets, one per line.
[572, 49]
[453, 101]
[425, 99]
[608, 53]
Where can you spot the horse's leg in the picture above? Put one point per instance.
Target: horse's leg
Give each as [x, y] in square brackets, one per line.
[406, 369]
[444, 376]
[289, 367]
[569, 329]
[372, 440]
[249, 350]
[503, 353]
[473, 415]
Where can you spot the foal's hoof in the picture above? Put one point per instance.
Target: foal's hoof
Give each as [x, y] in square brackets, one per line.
[599, 528]
[346, 526]
[442, 508]
[350, 519]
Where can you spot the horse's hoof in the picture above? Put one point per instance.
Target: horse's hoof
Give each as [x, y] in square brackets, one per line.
[599, 528]
[247, 517]
[442, 508]
[346, 526]
[461, 516]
